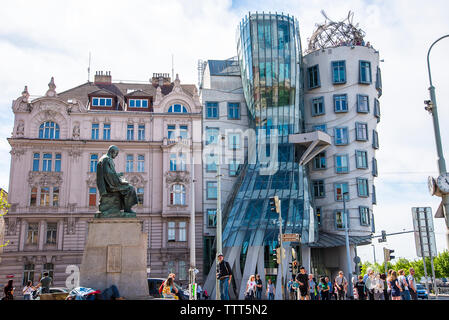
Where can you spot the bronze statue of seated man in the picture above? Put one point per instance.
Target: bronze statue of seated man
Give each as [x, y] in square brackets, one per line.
[116, 194]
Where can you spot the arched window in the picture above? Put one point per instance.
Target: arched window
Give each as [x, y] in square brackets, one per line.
[178, 194]
[177, 108]
[49, 130]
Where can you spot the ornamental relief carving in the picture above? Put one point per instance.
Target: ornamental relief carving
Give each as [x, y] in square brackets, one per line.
[44, 179]
[17, 152]
[92, 179]
[177, 177]
[135, 179]
[75, 153]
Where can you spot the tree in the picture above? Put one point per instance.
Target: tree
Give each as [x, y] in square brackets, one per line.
[4, 206]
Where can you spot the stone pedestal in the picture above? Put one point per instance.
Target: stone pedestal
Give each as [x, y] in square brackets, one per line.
[116, 253]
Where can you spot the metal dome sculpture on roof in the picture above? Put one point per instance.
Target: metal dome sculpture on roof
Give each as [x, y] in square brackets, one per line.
[333, 34]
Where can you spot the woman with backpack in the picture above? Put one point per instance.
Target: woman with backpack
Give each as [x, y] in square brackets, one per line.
[394, 285]
[403, 283]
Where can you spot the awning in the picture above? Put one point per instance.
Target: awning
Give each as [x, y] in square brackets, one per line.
[329, 240]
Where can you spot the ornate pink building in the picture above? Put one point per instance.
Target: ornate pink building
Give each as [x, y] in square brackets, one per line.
[57, 141]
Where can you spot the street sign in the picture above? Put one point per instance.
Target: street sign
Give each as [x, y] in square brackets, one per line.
[290, 237]
[424, 232]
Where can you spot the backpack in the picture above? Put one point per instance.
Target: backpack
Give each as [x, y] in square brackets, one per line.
[161, 287]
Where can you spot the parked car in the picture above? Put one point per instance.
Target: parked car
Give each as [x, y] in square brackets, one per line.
[421, 291]
[53, 290]
[153, 287]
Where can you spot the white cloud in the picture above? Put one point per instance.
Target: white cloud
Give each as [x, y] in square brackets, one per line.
[133, 39]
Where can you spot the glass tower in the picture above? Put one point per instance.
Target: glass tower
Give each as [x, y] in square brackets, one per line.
[269, 53]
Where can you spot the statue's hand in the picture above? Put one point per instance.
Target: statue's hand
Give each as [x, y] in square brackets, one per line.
[120, 174]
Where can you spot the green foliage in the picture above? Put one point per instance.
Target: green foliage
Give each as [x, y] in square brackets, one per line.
[4, 206]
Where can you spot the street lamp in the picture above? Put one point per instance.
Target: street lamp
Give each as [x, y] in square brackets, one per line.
[432, 108]
[348, 253]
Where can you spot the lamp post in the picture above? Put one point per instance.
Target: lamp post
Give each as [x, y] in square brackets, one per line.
[350, 292]
[374, 253]
[192, 270]
[432, 108]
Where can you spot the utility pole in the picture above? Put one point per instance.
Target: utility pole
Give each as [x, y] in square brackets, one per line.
[192, 270]
[348, 253]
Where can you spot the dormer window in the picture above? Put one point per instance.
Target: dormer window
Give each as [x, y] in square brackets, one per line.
[101, 102]
[177, 108]
[138, 103]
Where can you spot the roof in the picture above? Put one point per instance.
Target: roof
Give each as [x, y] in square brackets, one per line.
[229, 67]
[329, 240]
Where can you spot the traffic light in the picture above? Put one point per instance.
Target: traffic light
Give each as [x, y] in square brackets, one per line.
[294, 268]
[359, 270]
[391, 257]
[275, 205]
[276, 255]
[387, 254]
[290, 267]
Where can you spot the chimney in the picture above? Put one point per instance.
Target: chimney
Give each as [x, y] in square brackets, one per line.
[103, 77]
[159, 79]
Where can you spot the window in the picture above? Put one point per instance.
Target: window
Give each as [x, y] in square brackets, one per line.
[313, 77]
[171, 266]
[341, 163]
[338, 72]
[92, 197]
[361, 159]
[33, 196]
[365, 72]
[93, 162]
[318, 189]
[51, 233]
[341, 189]
[320, 127]
[212, 110]
[178, 195]
[183, 132]
[374, 199]
[45, 196]
[140, 163]
[234, 141]
[364, 216]
[101, 102]
[46, 162]
[379, 82]
[211, 218]
[171, 131]
[319, 162]
[341, 136]
[95, 131]
[212, 135]
[106, 131]
[374, 165]
[211, 190]
[375, 140]
[28, 273]
[361, 131]
[340, 103]
[178, 161]
[138, 103]
[55, 196]
[377, 109]
[182, 272]
[141, 132]
[32, 234]
[362, 103]
[49, 130]
[178, 108]
[36, 160]
[130, 132]
[140, 194]
[340, 219]
[171, 231]
[233, 111]
[58, 162]
[362, 187]
[182, 231]
[211, 163]
[48, 267]
[129, 163]
[233, 168]
[318, 106]
[318, 214]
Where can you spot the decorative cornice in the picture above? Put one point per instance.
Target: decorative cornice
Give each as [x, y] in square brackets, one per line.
[177, 177]
[44, 179]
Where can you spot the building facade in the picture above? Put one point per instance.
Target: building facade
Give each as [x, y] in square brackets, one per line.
[57, 141]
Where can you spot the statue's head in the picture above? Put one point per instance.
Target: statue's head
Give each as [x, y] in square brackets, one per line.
[113, 151]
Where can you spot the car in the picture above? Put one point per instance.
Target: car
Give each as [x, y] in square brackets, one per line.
[52, 290]
[421, 291]
[153, 287]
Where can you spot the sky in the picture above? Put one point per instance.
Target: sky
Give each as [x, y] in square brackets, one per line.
[136, 38]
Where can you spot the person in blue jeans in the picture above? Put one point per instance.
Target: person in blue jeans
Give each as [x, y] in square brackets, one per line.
[224, 274]
[259, 289]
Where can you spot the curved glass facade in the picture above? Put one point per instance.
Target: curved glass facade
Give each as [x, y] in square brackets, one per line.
[269, 53]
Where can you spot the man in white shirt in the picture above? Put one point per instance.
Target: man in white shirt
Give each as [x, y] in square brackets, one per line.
[412, 284]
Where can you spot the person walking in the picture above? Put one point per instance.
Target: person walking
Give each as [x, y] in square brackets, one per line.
[331, 289]
[324, 289]
[370, 283]
[224, 274]
[259, 289]
[250, 291]
[303, 280]
[312, 288]
[412, 284]
[405, 294]
[394, 284]
[28, 290]
[8, 291]
[291, 289]
[361, 288]
[341, 284]
[270, 290]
